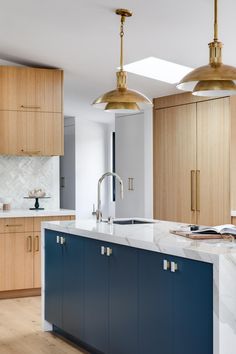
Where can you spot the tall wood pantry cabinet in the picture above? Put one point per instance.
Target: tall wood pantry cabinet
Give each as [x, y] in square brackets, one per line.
[194, 159]
[31, 111]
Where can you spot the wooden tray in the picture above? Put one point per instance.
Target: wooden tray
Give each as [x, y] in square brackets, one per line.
[192, 236]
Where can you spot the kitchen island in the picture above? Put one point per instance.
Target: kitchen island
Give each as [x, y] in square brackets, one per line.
[138, 289]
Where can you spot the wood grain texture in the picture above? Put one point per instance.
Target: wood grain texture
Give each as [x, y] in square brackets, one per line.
[17, 264]
[31, 133]
[31, 89]
[21, 332]
[38, 220]
[13, 294]
[9, 225]
[213, 161]
[233, 152]
[37, 260]
[177, 100]
[174, 137]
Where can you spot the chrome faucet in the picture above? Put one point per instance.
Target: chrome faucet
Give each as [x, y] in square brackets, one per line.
[107, 174]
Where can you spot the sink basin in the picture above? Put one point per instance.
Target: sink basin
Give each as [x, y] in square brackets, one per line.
[131, 222]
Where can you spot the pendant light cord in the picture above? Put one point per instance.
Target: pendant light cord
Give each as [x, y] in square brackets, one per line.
[121, 42]
[215, 20]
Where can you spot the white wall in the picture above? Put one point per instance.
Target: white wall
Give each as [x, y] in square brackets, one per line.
[134, 159]
[19, 175]
[92, 146]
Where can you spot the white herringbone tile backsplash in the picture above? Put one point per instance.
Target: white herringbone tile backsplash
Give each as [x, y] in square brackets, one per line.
[18, 175]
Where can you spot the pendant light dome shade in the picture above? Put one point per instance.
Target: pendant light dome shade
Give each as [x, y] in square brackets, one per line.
[122, 99]
[214, 79]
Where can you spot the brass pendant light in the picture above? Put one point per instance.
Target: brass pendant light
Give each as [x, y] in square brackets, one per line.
[214, 79]
[122, 100]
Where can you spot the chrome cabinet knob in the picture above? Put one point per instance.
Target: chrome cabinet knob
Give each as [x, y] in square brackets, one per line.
[166, 264]
[173, 267]
[109, 251]
[103, 250]
[62, 240]
[58, 239]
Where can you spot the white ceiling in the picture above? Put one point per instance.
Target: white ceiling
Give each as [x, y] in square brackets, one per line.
[82, 37]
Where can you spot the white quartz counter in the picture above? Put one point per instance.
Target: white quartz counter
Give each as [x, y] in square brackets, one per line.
[26, 213]
[156, 237]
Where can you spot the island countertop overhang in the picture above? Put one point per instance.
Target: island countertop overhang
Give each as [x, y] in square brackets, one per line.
[155, 237]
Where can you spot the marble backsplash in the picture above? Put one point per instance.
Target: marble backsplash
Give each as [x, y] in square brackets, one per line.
[18, 175]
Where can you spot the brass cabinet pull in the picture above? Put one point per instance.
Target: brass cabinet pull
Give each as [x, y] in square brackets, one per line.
[198, 190]
[193, 190]
[29, 243]
[16, 225]
[30, 107]
[33, 152]
[36, 244]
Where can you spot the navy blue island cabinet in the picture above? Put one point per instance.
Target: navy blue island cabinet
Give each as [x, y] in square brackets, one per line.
[116, 299]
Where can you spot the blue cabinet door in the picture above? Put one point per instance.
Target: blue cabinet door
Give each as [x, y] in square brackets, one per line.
[155, 305]
[53, 278]
[73, 286]
[123, 303]
[193, 307]
[96, 295]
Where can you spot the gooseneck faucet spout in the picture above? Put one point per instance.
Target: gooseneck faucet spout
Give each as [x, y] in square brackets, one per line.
[99, 206]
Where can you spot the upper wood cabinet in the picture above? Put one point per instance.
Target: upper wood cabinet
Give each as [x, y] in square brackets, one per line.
[31, 111]
[31, 89]
[31, 133]
[194, 159]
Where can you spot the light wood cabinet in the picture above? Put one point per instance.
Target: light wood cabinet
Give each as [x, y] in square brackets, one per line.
[174, 159]
[193, 159]
[31, 89]
[20, 254]
[17, 263]
[31, 111]
[31, 133]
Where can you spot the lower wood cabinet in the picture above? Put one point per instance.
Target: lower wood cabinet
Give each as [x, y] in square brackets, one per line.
[20, 255]
[16, 261]
[116, 299]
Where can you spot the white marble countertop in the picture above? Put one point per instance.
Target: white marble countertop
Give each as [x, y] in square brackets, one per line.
[26, 213]
[153, 237]
[233, 212]
[156, 237]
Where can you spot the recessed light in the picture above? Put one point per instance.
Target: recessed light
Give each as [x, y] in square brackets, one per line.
[158, 69]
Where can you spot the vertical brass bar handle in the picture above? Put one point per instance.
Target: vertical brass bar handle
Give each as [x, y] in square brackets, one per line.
[29, 243]
[193, 190]
[36, 244]
[198, 190]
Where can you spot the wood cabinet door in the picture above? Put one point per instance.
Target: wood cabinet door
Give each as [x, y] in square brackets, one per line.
[31, 133]
[37, 259]
[174, 139]
[31, 89]
[53, 134]
[48, 90]
[213, 162]
[16, 261]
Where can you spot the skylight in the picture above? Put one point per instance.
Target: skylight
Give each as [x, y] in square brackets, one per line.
[158, 69]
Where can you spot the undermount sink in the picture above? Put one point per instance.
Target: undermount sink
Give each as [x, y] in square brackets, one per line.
[131, 222]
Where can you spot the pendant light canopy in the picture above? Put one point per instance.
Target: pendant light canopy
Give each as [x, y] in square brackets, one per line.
[122, 100]
[214, 79]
